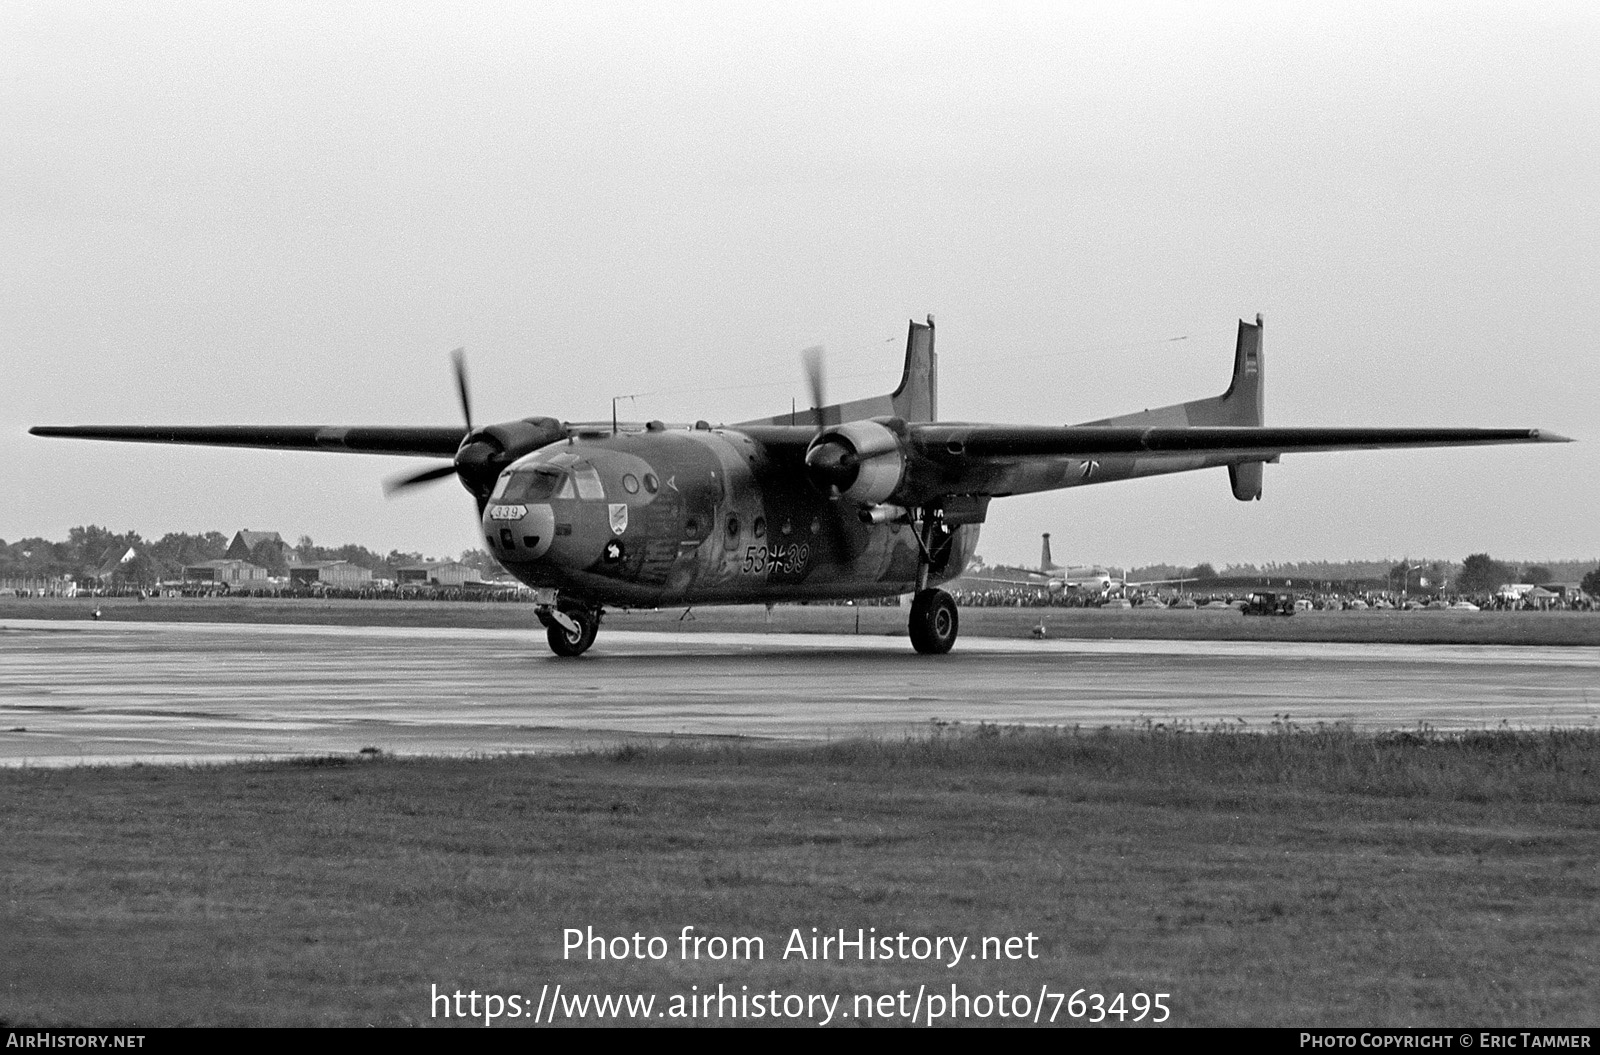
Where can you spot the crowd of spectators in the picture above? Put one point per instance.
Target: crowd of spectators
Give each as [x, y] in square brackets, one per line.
[967, 595]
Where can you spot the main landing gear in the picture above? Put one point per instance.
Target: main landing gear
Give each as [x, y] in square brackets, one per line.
[934, 620]
[570, 627]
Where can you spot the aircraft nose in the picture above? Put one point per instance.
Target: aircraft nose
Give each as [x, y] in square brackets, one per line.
[519, 532]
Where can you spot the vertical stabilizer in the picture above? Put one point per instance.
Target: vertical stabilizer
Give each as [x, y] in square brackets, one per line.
[1241, 404]
[1045, 563]
[1244, 401]
[917, 398]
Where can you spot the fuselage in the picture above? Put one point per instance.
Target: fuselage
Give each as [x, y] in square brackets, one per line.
[667, 516]
[1093, 579]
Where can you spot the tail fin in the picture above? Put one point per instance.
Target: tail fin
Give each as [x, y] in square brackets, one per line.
[1045, 563]
[1241, 404]
[917, 398]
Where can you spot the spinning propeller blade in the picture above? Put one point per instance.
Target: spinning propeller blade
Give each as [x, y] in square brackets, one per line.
[459, 358]
[394, 484]
[401, 483]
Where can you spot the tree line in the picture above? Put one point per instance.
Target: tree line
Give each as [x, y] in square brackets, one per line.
[127, 558]
[1479, 573]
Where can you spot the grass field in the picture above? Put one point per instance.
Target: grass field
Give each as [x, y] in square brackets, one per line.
[1301, 877]
[1420, 627]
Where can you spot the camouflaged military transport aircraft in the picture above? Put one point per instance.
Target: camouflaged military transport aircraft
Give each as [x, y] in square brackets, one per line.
[868, 498]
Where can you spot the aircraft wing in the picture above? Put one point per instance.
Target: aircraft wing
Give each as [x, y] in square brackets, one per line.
[403, 440]
[1037, 584]
[948, 442]
[994, 460]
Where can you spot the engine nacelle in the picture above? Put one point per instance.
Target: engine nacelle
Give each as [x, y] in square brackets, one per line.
[862, 460]
[488, 449]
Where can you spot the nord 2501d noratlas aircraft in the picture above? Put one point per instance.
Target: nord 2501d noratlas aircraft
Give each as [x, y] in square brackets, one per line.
[869, 498]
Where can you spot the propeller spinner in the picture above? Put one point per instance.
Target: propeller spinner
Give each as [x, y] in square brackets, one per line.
[858, 460]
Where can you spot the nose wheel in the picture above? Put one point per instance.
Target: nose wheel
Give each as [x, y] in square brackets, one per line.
[570, 628]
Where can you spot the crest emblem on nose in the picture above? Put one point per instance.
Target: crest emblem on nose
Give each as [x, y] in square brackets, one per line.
[619, 517]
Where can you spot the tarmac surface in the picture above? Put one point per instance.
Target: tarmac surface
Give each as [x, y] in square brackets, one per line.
[77, 693]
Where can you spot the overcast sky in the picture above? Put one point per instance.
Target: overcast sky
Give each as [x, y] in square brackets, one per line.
[291, 213]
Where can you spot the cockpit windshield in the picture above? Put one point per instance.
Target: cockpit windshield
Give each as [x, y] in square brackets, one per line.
[537, 484]
[563, 476]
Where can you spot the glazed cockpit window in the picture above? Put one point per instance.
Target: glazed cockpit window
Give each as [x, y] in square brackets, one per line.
[538, 484]
[589, 485]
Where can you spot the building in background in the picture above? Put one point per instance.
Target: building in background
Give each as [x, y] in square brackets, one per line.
[264, 548]
[436, 573]
[329, 573]
[224, 570]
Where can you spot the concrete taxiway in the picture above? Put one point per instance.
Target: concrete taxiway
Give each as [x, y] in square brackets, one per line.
[97, 693]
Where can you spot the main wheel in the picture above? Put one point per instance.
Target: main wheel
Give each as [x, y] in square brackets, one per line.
[564, 642]
[934, 622]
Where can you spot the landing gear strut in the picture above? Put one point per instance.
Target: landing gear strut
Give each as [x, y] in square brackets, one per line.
[934, 620]
[569, 626]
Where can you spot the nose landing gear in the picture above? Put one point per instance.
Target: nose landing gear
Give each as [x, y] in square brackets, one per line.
[569, 626]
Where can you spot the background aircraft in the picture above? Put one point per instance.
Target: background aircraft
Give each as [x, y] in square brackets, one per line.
[1076, 578]
[873, 497]
[1089, 578]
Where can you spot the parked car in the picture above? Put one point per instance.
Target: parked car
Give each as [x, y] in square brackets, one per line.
[1269, 602]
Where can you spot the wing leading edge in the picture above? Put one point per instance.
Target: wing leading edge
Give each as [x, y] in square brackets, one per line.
[948, 440]
[401, 440]
[997, 460]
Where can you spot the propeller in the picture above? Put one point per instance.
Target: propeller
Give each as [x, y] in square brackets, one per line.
[401, 483]
[812, 359]
[834, 464]
[458, 359]
[438, 472]
[824, 460]
[828, 464]
[484, 452]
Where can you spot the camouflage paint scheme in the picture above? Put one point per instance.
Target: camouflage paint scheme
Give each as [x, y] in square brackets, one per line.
[732, 519]
[860, 499]
[732, 516]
